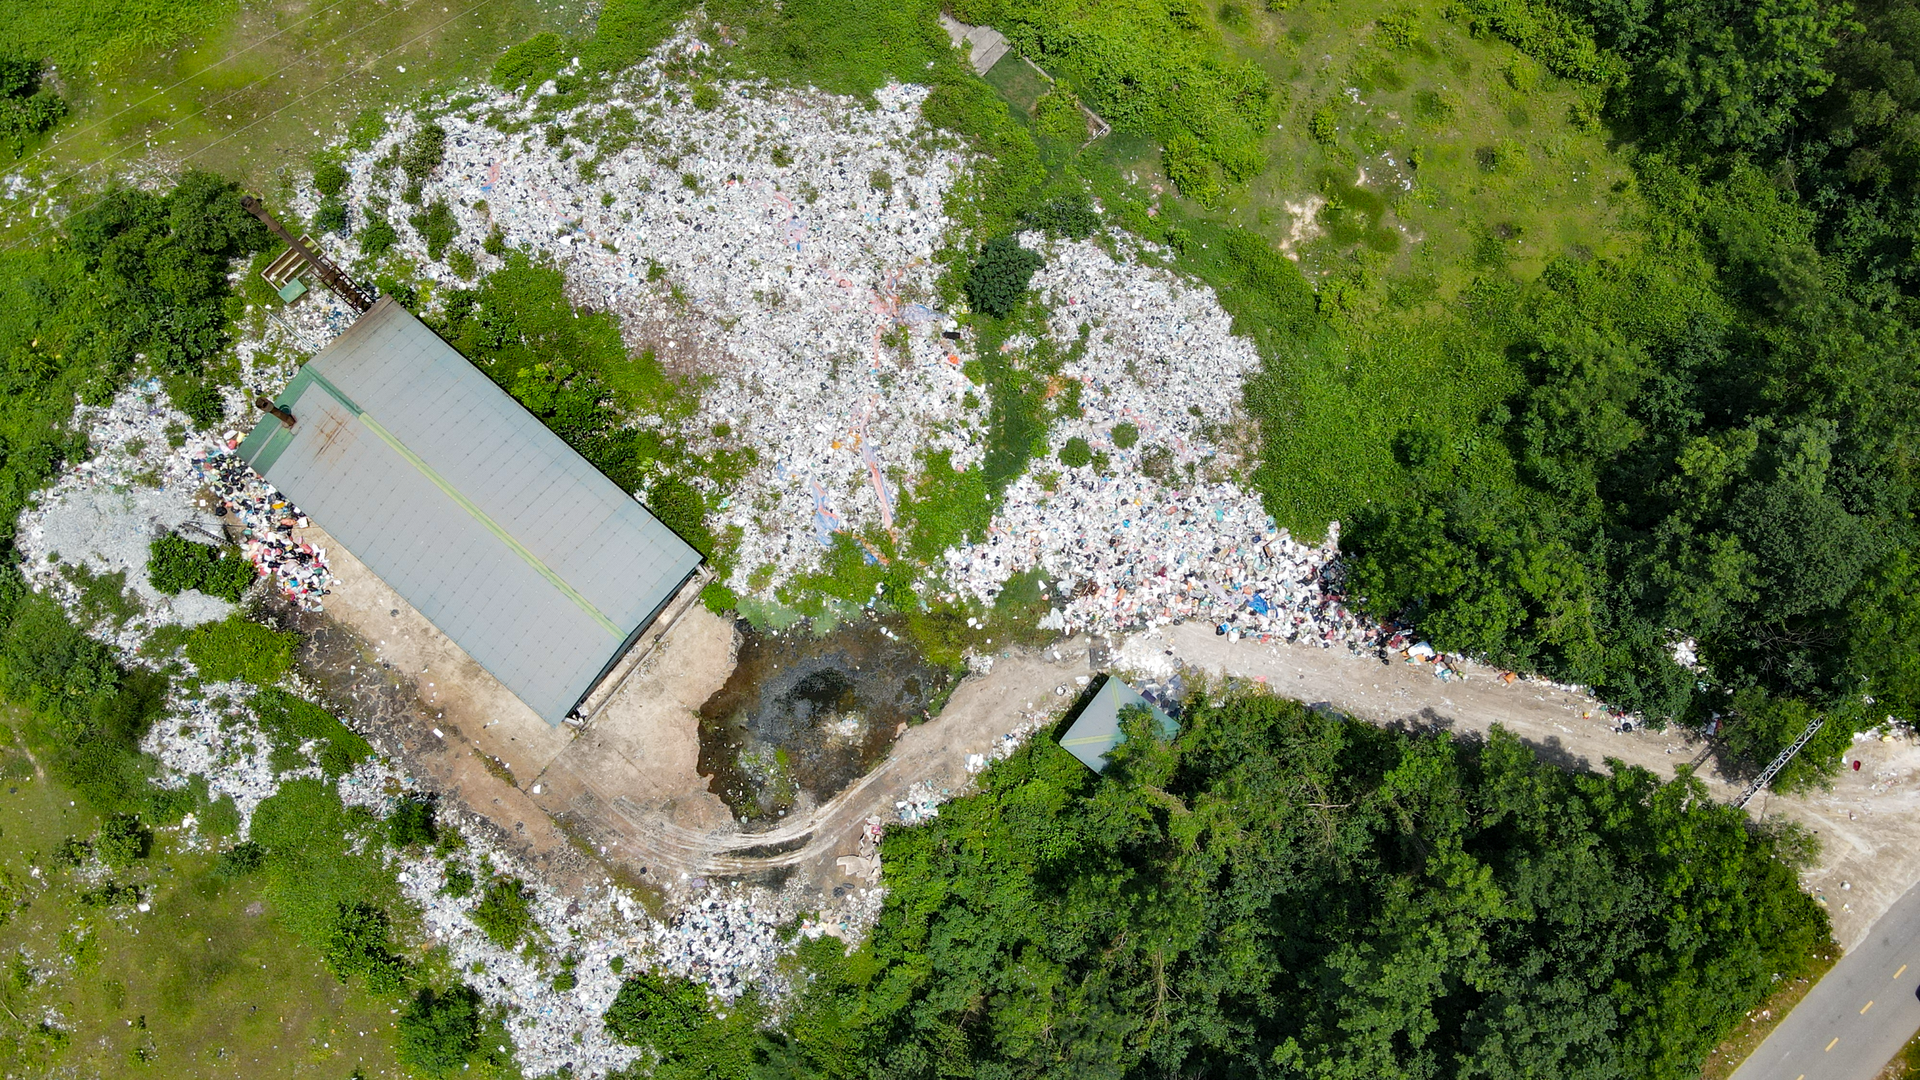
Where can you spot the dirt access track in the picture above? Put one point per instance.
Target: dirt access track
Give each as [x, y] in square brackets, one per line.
[1866, 823]
[623, 797]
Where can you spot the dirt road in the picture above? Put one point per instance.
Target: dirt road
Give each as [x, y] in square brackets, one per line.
[1866, 822]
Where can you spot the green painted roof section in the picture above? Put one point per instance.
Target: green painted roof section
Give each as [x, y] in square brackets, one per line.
[531, 560]
[1096, 731]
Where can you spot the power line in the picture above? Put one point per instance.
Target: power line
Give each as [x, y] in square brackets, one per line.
[202, 110]
[262, 119]
[77, 132]
[1812, 729]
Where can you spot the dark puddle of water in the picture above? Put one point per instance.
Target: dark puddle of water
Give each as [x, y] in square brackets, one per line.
[809, 714]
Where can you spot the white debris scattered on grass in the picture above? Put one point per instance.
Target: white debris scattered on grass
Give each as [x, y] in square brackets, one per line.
[100, 514]
[213, 734]
[806, 287]
[728, 939]
[550, 1028]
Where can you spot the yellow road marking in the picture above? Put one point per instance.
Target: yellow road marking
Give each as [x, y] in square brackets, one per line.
[1864, 1008]
[1802, 1076]
[1903, 968]
[1829, 1048]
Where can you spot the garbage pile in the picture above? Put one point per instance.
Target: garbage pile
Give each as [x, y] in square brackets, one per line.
[921, 804]
[551, 1029]
[1161, 533]
[267, 520]
[781, 242]
[211, 733]
[1445, 667]
[724, 941]
[781, 245]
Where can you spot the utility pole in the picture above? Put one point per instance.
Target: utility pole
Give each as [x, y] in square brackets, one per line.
[1780, 762]
[330, 275]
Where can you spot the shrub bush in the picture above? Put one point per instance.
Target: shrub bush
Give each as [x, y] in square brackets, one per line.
[329, 178]
[377, 237]
[438, 1031]
[235, 648]
[1057, 116]
[331, 217]
[1069, 215]
[1324, 125]
[1076, 453]
[27, 108]
[1192, 170]
[411, 824]
[357, 945]
[654, 1012]
[175, 564]
[531, 62]
[459, 881]
[425, 149]
[1125, 436]
[240, 860]
[505, 911]
[999, 276]
[293, 721]
[437, 226]
[123, 840]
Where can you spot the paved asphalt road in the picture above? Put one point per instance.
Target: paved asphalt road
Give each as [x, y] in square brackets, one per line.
[1854, 1020]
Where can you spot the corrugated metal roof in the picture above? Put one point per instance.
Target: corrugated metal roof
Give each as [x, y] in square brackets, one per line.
[1096, 731]
[524, 554]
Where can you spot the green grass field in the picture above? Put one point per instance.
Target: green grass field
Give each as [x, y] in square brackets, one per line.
[249, 89]
[1447, 155]
[1412, 171]
[208, 983]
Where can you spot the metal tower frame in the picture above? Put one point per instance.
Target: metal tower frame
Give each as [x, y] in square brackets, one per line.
[330, 275]
[1780, 762]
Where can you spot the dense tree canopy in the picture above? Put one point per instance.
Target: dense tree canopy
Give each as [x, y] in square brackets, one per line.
[1283, 892]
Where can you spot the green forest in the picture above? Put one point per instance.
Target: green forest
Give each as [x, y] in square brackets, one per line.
[1286, 893]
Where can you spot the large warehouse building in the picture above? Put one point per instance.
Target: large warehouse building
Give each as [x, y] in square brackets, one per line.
[526, 556]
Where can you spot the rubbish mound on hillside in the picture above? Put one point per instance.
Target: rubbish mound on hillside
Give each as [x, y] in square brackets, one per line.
[799, 285]
[778, 247]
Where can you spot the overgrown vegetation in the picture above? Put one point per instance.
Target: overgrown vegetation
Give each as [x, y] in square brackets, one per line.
[295, 723]
[200, 969]
[999, 276]
[1285, 892]
[175, 564]
[1157, 70]
[27, 108]
[688, 1037]
[238, 648]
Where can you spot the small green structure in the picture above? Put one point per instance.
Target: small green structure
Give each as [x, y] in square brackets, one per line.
[1096, 731]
